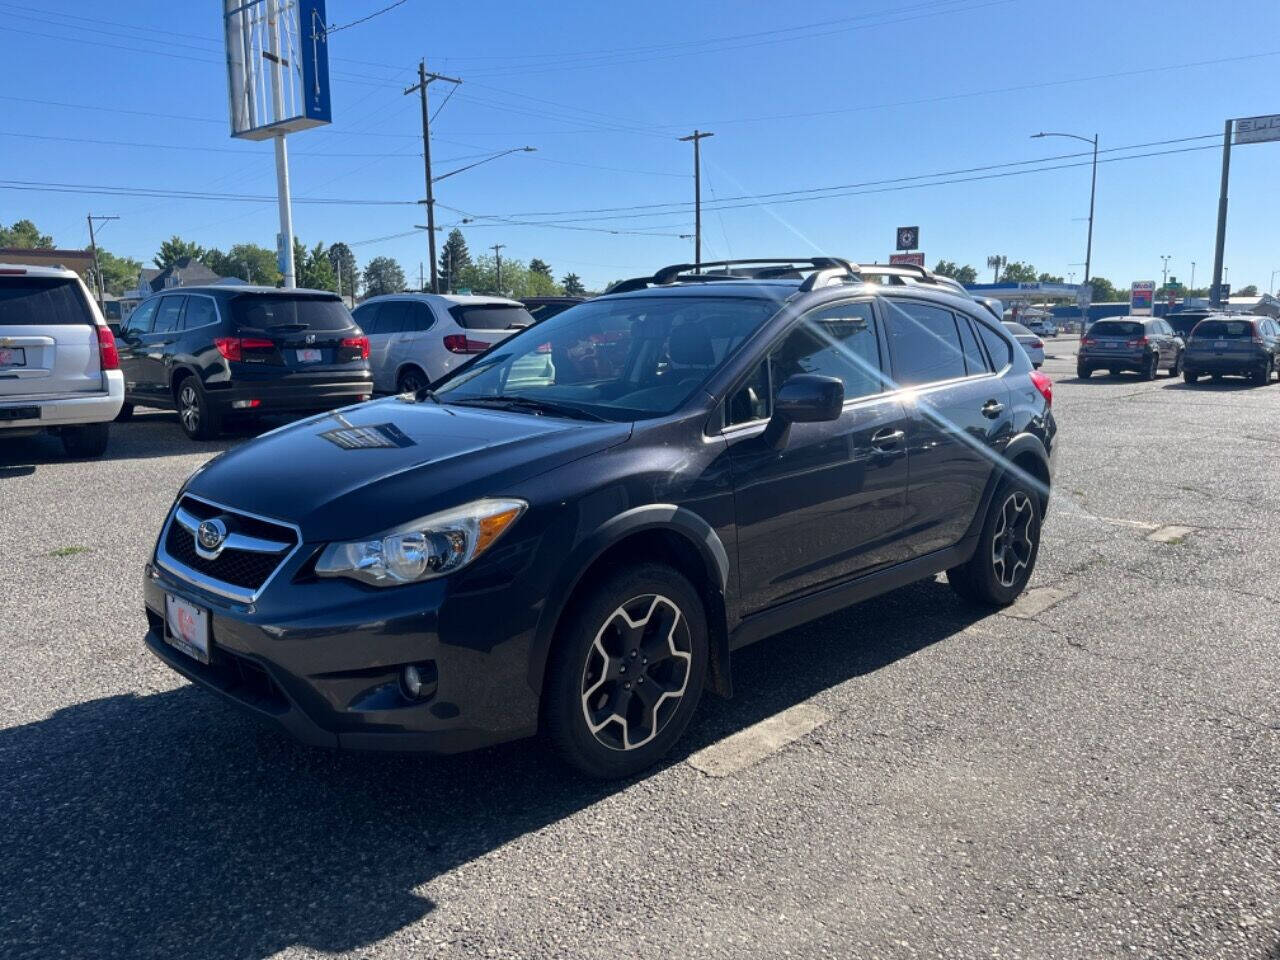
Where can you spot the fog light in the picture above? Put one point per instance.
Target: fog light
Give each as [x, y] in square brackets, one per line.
[245, 404]
[419, 680]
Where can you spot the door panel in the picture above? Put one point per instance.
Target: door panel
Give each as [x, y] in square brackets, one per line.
[156, 347]
[132, 348]
[827, 504]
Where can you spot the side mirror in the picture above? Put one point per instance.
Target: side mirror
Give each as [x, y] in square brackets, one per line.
[804, 398]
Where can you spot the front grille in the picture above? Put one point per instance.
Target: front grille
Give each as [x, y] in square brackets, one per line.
[246, 570]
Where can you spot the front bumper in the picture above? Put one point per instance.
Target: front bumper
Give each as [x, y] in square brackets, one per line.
[323, 660]
[67, 411]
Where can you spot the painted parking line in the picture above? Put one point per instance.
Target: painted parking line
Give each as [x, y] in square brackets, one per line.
[1171, 533]
[1035, 602]
[750, 746]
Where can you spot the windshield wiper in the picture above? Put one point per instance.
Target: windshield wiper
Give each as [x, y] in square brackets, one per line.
[513, 402]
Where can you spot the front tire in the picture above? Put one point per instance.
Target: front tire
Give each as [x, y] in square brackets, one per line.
[1152, 367]
[196, 414]
[1189, 376]
[1007, 548]
[1083, 372]
[627, 671]
[89, 440]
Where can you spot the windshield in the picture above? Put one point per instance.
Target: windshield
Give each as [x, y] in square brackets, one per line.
[264, 311]
[622, 359]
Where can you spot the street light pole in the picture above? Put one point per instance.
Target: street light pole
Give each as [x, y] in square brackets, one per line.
[697, 136]
[1093, 193]
[1164, 270]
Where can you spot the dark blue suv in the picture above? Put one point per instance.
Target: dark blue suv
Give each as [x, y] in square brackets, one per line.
[572, 532]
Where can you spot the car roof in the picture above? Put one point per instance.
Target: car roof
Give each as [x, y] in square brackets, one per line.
[30, 270]
[240, 289]
[446, 298]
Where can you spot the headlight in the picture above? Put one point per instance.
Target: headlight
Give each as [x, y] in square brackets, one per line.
[431, 547]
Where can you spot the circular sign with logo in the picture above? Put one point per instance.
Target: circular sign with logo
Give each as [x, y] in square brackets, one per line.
[908, 238]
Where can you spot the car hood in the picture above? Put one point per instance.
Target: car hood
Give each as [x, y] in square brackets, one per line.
[365, 469]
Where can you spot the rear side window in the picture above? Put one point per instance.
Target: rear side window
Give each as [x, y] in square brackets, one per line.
[420, 317]
[490, 316]
[201, 312]
[32, 301]
[1117, 328]
[924, 343]
[997, 346]
[369, 318]
[1225, 329]
[974, 360]
[264, 311]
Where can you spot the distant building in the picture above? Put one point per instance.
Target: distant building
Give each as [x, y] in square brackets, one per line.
[187, 272]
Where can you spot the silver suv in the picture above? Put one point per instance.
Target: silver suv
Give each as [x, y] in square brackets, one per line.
[59, 369]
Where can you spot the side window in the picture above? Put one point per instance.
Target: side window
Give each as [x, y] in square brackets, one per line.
[838, 341]
[997, 346]
[201, 311]
[975, 360]
[141, 320]
[420, 318]
[169, 314]
[923, 342]
[368, 318]
[393, 318]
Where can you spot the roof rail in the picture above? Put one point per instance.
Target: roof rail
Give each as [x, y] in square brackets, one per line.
[683, 272]
[901, 270]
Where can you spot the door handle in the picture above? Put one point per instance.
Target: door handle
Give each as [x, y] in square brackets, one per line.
[992, 409]
[886, 439]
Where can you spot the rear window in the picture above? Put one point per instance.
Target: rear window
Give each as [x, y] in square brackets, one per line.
[1225, 329]
[1117, 328]
[1018, 330]
[490, 316]
[264, 311]
[41, 301]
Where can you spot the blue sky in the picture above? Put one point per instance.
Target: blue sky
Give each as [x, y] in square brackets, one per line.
[838, 93]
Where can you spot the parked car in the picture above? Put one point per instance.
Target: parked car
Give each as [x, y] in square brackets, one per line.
[1029, 342]
[416, 338]
[59, 369]
[1144, 344]
[1184, 321]
[238, 351]
[544, 308]
[1247, 346]
[1043, 326]
[573, 532]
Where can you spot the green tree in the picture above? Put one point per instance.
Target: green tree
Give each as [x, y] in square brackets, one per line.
[245, 261]
[345, 268]
[383, 275]
[1019, 272]
[1050, 278]
[540, 266]
[118, 273]
[540, 283]
[1250, 291]
[949, 268]
[455, 258]
[572, 284]
[1103, 290]
[24, 234]
[175, 249]
[313, 268]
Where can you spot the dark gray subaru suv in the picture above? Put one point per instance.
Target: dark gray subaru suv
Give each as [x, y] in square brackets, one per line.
[574, 531]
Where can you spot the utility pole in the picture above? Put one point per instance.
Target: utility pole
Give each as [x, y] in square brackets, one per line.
[696, 137]
[497, 253]
[422, 283]
[1220, 245]
[1164, 278]
[97, 267]
[1193, 278]
[420, 87]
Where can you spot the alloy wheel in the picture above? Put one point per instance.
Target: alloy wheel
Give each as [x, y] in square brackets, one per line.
[1012, 545]
[636, 672]
[410, 382]
[189, 408]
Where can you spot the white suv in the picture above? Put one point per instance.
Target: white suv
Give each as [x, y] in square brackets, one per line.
[59, 369]
[416, 338]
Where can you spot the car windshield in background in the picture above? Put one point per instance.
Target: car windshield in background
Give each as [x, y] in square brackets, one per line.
[623, 359]
[1225, 329]
[265, 311]
[26, 301]
[490, 316]
[1116, 328]
[545, 311]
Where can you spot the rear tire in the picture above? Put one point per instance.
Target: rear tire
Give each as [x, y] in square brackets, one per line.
[196, 414]
[1189, 376]
[89, 440]
[1262, 376]
[640, 624]
[1005, 557]
[125, 414]
[1083, 372]
[1177, 365]
[411, 380]
[1152, 367]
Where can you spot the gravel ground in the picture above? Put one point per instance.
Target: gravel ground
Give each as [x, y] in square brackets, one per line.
[1094, 773]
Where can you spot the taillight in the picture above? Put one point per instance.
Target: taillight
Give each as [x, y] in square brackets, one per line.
[1038, 344]
[232, 348]
[1044, 385]
[360, 344]
[1140, 342]
[108, 355]
[1088, 342]
[458, 343]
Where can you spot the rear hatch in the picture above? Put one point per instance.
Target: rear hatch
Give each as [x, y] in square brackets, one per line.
[1230, 340]
[1117, 337]
[48, 338]
[485, 324]
[288, 335]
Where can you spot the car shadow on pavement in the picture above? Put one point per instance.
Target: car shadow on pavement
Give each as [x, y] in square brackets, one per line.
[168, 824]
[1226, 385]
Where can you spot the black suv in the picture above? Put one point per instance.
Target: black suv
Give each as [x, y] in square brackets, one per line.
[220, 351]
[1244, 345]
[1144, 344]
[577, 527]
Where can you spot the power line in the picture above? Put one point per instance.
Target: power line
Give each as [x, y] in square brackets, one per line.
[364, 19]
[42, 186]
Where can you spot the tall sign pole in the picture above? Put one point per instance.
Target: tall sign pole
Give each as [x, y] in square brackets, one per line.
[284, 242]
[420, 88]
[1220, 244]
[696, 137]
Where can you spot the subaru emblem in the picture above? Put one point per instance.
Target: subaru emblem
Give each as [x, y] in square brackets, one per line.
[211, 535]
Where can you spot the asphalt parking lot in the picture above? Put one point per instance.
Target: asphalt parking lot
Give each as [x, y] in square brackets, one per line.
[1094, 772]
